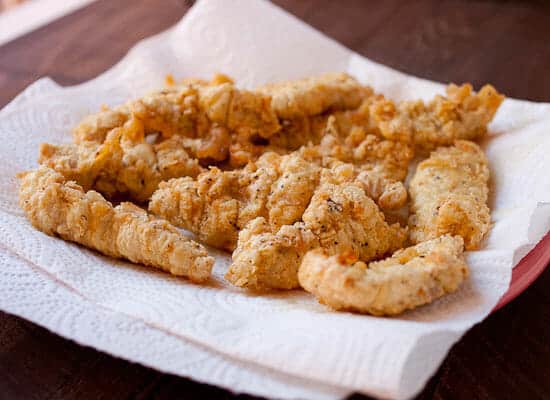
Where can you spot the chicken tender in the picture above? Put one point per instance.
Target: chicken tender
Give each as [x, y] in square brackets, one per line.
[345, 218]
[264, 259]
[58, 207]
[216, 119]
[449, 195]
[461, 115]
[339, 218]
[124, 164]
[218, 203]
[191, 109]
[167, 111]
[315, 95]
[410, 278]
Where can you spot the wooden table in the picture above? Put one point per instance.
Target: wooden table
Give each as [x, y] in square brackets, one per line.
[505, 43]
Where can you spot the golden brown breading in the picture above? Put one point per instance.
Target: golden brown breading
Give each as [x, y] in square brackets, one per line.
[461, 115]
[298, 132]
[124, 164]
[58, 207]
[339, 218]
[289, 195]
[344, 218]
[368, 152]
[170, 112]
[232, 125]
[215, 147]
[218, 120]
[383, 163]
[94, 128]
[301, 131]
[191, 110]
[346, 136]
[218, 203]
[449, 195]
[387, 193]
[299, 105]
[346, 121]
[410, 278]
[315, 95]
[379, 165]
[72, 161]
[265, 259]
[166, 112]
[237, 126]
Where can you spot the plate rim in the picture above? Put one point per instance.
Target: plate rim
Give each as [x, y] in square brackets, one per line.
[527, 271]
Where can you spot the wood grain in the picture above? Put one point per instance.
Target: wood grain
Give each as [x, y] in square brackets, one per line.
[503, 42]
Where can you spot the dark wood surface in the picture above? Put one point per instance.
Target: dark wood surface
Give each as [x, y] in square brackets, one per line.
[506, 43]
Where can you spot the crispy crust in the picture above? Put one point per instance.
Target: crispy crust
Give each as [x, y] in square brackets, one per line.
[449, 195]
[410, 278]
[339, 218]
[218, 203]
[345, 218]
[266, 260]
[190, 109]
[58, 207]
[367, 152]
[124, 164]
[228, 124]
[315, 95]
[463, 114]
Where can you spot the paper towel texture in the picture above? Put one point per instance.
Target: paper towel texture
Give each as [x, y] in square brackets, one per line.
[282, 345]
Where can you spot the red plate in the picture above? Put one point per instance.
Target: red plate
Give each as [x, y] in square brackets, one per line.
[528, 269]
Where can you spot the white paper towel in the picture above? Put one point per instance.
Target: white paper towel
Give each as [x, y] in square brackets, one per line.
[282, 345]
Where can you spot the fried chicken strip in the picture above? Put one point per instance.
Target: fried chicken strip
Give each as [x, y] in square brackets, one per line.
[339, 218]
[191, 109]
[314, 95]
[449, 195]
[463, 114]
[409, 278]
[264, 259]
[60, 207]
[124, 164]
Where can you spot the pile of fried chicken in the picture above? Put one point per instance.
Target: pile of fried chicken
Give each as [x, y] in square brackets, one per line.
[304, 181]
